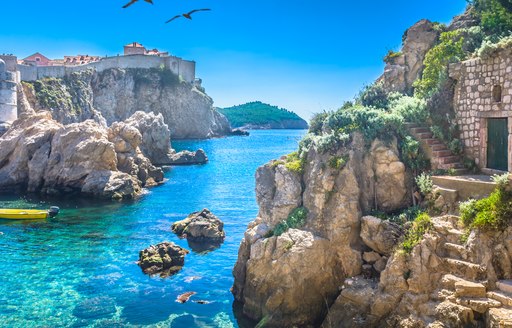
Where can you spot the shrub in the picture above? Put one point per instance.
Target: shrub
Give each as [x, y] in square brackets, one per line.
[449, 50]
[489, 48]
[491, 213]
[406, 215]
[495, 18]
[294, 162]
[373, 95]
[455, 146]
[338, 162]
[425, 183]
[421, 225]
[391, 55]
[412, 155]
[317, 122]
[410, 108]
[502, 181]
[296, 219]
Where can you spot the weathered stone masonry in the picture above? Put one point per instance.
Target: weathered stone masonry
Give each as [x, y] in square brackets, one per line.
[483, 92]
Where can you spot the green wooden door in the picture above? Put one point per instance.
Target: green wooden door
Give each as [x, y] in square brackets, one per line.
[497, 144]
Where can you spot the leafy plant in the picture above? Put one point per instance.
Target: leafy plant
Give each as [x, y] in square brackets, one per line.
[296, 219]
[294, 162]
[495, 18]
[412, 155]
[425, 183]
[317, 122]
[391, 55]
[373, 95]
[338, 162]
[490, 213]
[410, 108]
[502, 181]
[421, 225]
[449, 50]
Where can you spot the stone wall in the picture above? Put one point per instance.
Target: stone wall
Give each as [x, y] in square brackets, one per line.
[483, 91]
[183, 68]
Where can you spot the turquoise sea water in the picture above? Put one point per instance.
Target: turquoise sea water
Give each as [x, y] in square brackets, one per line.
[79, 270]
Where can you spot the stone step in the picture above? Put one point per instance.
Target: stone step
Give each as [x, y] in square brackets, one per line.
[465, 288]
[499, 318]
[425, 135]
[438, 147]
[448, 281]
[480, 305]
[454, 250]
[419, 129]
[469, 186]
[503, 297]
[432, 141]
[466, 270]
[441, 153]
[505, 286]
[448, 159]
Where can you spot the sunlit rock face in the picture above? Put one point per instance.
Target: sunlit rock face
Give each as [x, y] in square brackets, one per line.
[308, 264]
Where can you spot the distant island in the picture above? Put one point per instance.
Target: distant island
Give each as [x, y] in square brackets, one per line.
[258, 115]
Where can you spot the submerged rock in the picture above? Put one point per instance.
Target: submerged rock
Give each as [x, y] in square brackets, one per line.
[188, 158]
[95, 308]
[200, 227]
[164, 259]
[183, 298]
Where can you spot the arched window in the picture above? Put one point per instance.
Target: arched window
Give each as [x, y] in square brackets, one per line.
[496, 93]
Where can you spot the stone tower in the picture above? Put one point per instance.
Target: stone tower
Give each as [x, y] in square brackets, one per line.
[8, 97]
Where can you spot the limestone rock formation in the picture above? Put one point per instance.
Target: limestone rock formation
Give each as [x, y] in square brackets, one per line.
[186, 157]
[381, 236]
[164, 259]
[156, 136]
[308, 264]
[201, 226]
[41, 155]
[401, 72]
[114, 95]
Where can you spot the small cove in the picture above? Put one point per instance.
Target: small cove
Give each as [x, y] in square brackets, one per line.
[78, 269]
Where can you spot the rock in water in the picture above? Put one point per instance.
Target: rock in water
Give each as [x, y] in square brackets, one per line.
[185, 297]
[165, 259]
[239, 132]
[188, 158]
[201, 227]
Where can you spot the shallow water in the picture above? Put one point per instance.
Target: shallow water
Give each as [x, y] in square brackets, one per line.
[79, 269]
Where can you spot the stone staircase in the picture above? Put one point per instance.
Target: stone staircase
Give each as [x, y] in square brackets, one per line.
[464, 282]
[440, 156]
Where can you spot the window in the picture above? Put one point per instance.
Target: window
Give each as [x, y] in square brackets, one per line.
[496, 93]
[38, 59]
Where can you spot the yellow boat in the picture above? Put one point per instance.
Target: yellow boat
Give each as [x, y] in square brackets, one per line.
[20, 214]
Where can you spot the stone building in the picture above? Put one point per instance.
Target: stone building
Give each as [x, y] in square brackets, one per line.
[483, 106]
[8, 96]
[36, 59]
[136, 48]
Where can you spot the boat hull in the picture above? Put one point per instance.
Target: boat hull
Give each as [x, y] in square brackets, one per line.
[13, 214]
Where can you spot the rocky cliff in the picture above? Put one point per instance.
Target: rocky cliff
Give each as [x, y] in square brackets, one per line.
[116, 94]
[293, 278]
[39, 154]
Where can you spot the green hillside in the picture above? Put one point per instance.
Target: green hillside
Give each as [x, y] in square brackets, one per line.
[260, 115]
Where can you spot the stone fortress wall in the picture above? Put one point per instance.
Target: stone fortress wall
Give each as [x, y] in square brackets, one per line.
[184, 68]
[8, 92]
[483, 92]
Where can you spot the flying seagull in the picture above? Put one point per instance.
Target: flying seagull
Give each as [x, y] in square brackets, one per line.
[187, 15]
[134, 1]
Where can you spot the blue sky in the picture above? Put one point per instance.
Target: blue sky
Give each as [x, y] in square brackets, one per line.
[304, 55]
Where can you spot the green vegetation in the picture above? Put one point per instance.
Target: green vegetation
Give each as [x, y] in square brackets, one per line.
[448, 50]
[491, 213]
[258, 113]
[294, 162]
[338, 162]
[424, 183]
[495, 16]
[421, 225]
[51, 93]
[391, 55]
[296, 219]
